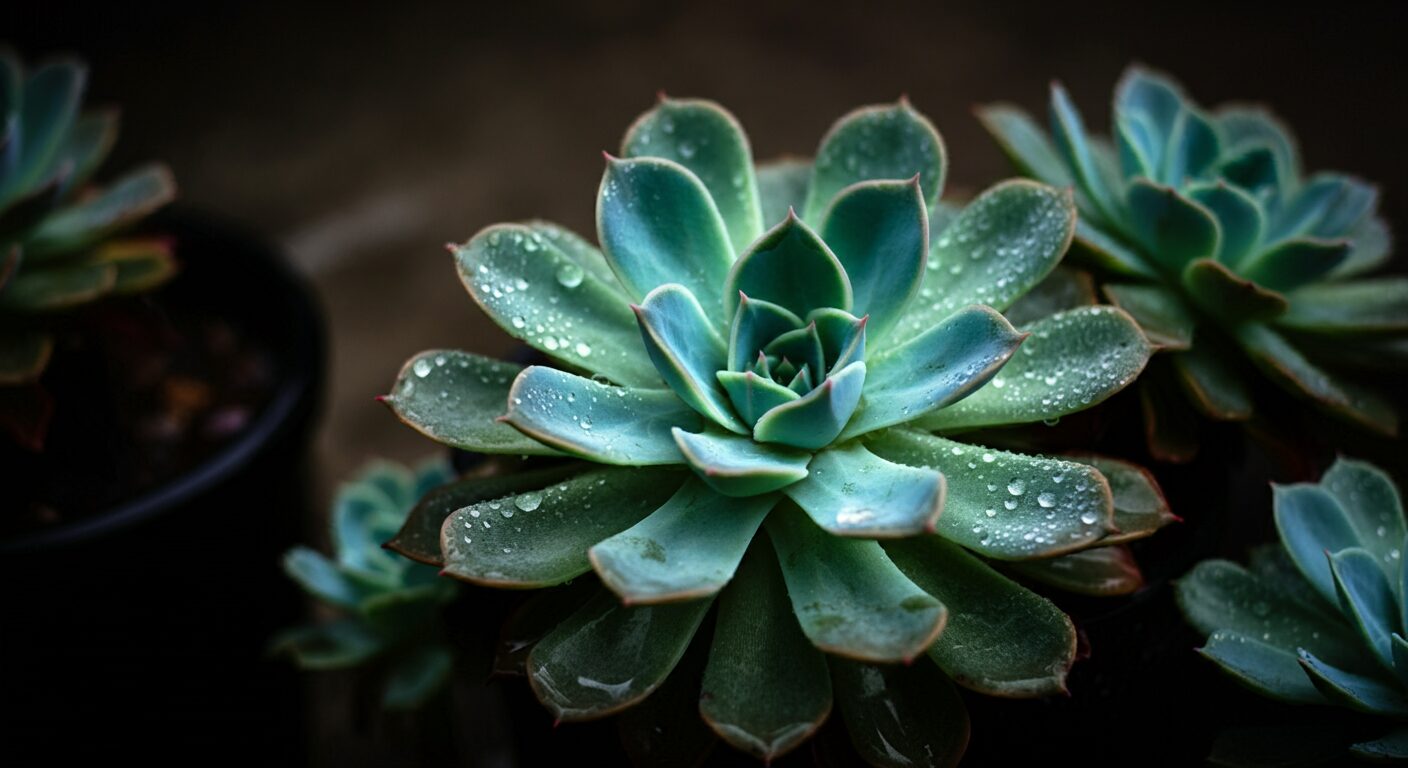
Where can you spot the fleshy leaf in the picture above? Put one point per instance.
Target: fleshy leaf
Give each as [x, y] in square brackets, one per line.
[939, 367]
[1140, 506]
[1373, 507]
[813, 421]
[803, 348]
[538, 538]
[596, 421]
[879, 231]
[1069, 136]
[1166, 320]
[1065, 288]
[541, 295]
[454, 398]
[1378, 305]
[1024, 143]
[1254, 128]
[578, 249]
[843, 337]
[657, 225]
[1285, 364]
[900, 717]
[1371, 247]
[1100, 571]
[607, 657]
[1001, 245]
[766, 688]
[1293, 263]
[1239, 219]
[850, 491]
[1006, 505]
[1367, 599]
[1070, 362]
[847, 595]
[321, 578]
[1174, 230]
[1212, 384]
[753, 395]
[977, 648]
[1390, 747]
[126, 201]
[1266, 669]
[879, 142]
[1361, 692]
[686, 549]
[789, 266]
[1155, 99]
[1193, 147]
[755, 323]
[703, 137]
[48, 104]
[1311, 522]
[738, 466]
[782, 186]
[1223, 293]
[57, 288]
[1170, 423]
[687, 351]
[1108, 252]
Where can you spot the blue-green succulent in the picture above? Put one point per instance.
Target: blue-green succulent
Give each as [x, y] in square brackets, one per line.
[388, 606]
[56, 230]
[750, 374]
[1322, 617]
[1208, 231]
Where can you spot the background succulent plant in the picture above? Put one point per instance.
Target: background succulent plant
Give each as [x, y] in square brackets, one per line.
[1319, 618]
[1207, 230]
[390, 605]
[789, 380]
[57, 249]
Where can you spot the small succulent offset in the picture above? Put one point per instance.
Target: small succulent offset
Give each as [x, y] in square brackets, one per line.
[56, 245]
[1206, 229]
[757, 409]
[390, 605]
[1321, 618]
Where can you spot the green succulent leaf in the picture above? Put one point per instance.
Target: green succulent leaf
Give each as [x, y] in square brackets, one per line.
[87, 145]
[1372, 505]
[1140, 506]
[782, 186]
[126, 201]
[1221, 292]
[1349, 308]
[1069, 135]
[665, 730]
[1000, 505]
[1160, 312]
[705, 138]
[1100, 571]
[1170, 423]
[1288, 366]
[935, 369]
[755, 324]
[1213, 385]
[24, 354]
[1248, 128]
[541, 295]
[1109, 252]
[900, 717]
[1367, 599]
[57, 288]
[879, 142]
[596, 421]
[791, 267]
[658, 224]
[1293, 263]
[850, 491]
[686, 549]
[879, 231]
[607, 657]
[737, 466]
[538, 538]
[802, 347]
[1024, 143]
[1221, 595]
[977, 648]
[1327, 205]
[1239, 220]
[813, 421]
[455, 397]
[1174, 229]
[48, 103]
[1311, 522]
[1389, 747]
[1264, 668]
[1155, 99]
[848, 596]
[1065, 288]
[1000, 246]
[842, 335]
[1371, 246]
[687, 351]
[753, 395]
[579, 250]
[1354, 690]
[1193, 147]
[534, 619]
[322, 578]
[766, 688]
[1069, 362]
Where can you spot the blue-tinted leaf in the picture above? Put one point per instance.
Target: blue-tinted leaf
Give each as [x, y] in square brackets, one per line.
[1068, 133]
[814, 420]
[1248, 128]
[1373, 507]
[1108, 252]
[128, 200]
[753, 395]
[686, 351]
[879, 231]
[1193, 147]
[613, 425]
[789, 266]
[1293, 263]
[755, 324]
[879, 142]
[578, 249]
[48, 104]
[1311, 522]
[1370, 246]
[1024, 143]
[803, 348]
[1239, 220]
[850, 491]
[1065, 288]
[703, 137]
[321, 578]
[1289, 367]
[1378, 305]
[843, 337]
[1367, 599]
[782, 186]
[1266, 669]
[1160, 312]
[1354, 690]
[1173, 229]
[686, 549]
[1213, 385]
[1103, 571]
[738, 466]
[1219, 291]
[900, 717]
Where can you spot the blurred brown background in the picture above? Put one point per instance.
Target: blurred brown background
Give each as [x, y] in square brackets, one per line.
[364, 136]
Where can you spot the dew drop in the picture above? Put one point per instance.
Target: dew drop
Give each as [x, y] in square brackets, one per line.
[422, 368]
[528, 501]
[569, 275]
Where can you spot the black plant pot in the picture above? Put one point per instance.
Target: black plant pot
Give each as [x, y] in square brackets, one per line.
[141, 629]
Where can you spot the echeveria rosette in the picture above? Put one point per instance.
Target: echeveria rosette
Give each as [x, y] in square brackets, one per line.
[389, 605]
[753, 368]
[1321, 618]
[1206, 229]
[56, 250]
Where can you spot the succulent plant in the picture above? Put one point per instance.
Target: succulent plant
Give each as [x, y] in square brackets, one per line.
[756, 407]
[1207, 230]
[57, 249]
[1321, 617]
[389, 605]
